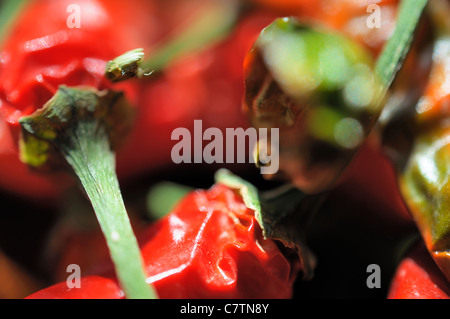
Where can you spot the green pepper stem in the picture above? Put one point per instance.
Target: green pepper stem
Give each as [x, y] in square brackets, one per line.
[283, 214]
[396, 49]
[88, 153]
[79, 126]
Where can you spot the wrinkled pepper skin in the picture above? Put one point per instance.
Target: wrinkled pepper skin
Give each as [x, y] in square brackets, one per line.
[209, 246]
[418, 277]
[43, 53]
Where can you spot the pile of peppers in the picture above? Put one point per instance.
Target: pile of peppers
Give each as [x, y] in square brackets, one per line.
[92, 90]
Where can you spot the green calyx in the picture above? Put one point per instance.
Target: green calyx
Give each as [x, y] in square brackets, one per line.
[283, 214]
[56, 121]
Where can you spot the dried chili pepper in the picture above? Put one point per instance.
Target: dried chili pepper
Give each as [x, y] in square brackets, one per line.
[210, 246]
[324, 91]
[74, 118]
[320, 90]
[41, 53]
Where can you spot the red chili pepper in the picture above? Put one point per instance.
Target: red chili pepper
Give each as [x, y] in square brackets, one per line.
[209, 246]
[91, 287]
[43, 53]
[371, 179]
[418, 277]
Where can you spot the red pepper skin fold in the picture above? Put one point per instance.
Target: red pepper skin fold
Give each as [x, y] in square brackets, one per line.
[418, 277]
[209, 246]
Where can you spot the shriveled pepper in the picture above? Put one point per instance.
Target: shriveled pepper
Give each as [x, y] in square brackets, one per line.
[209, 246]
[322, 93]
[80, 125]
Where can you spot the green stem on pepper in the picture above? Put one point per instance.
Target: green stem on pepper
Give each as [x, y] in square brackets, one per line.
[394, 53]
[283, 214]
[79, 127]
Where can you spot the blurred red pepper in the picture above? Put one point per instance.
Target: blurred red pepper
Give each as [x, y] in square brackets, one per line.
[209, 246]
[418, 277]
[207, 85]
[43, 53]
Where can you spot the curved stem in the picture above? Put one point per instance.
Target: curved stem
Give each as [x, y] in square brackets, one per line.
[88, 153]
[78, 126]
[397, 47]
